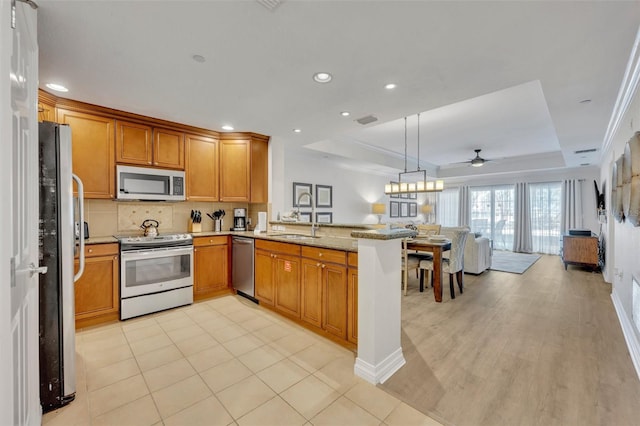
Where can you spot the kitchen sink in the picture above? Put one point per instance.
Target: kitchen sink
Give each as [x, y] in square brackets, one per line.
[294, 236]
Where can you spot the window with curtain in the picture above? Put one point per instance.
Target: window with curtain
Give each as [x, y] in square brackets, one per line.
[447, 207]
[546, 216]
[492, 214]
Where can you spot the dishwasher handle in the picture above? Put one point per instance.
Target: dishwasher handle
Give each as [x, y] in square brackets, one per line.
[242, 241]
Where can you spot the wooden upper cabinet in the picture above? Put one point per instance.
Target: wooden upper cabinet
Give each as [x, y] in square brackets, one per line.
[235, 171]
[46, 106]
[133, 143]
[259, 171]
[168, 148]
[93, 151]
[202, 168]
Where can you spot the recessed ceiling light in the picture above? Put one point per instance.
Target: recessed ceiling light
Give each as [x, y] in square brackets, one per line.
[227, 127]
[390, 86]
[297, 130]
[57, 87]
[198, 58]
[345, 113]
[322, 77]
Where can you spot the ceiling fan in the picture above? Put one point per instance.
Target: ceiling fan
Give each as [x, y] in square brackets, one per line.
[477, 161]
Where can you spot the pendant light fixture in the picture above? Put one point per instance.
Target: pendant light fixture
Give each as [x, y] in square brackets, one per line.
[421, 185]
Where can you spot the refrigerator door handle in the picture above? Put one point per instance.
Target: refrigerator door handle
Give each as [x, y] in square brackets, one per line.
[77, 276]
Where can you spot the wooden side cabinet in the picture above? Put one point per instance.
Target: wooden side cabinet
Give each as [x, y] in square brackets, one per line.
[97, 292]
[210, 265]
[580, 250]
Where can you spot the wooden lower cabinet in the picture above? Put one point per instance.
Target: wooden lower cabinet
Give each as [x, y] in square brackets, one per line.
[263, 277]
[210, 266]
[311, 296]
[97, 292]
[352, 304]
[286, 280]
[334, 319]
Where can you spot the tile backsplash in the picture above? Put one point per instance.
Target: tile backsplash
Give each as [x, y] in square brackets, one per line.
[108, 217]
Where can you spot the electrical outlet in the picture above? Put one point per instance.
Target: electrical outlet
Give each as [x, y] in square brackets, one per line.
[249, 221]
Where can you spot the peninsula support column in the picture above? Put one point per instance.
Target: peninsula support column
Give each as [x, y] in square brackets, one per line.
[379, 305]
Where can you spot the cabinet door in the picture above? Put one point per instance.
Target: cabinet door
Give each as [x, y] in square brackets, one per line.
[168, 149]
[92, 141]
[202, 168]
[335, 299]
[210, 269]
[263, 277]
[352, 306]
[235, 160]
[97, 291]
[259, 171]
[287, 284]
[46, 112]
[133, 143]
[311, 289]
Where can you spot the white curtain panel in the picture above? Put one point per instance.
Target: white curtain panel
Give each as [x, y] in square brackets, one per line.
[522, 241]
[465, 206]
[571, 205]
[447, 207]
[546, 216]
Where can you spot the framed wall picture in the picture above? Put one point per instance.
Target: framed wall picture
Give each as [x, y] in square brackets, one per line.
[393, 195]
[394, 209]
[404, 209]
[305, 217]
[413, 209]
[324, 196]
[299, 189]
[324, 217]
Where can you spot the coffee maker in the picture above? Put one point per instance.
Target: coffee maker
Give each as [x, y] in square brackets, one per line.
[239, 220]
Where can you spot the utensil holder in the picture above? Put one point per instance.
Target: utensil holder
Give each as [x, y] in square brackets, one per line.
[217, 225]
[195, 227]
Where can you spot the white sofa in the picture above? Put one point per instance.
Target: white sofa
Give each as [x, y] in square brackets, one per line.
[477, 252]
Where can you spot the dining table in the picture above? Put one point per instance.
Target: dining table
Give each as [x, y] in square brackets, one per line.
[437, 247]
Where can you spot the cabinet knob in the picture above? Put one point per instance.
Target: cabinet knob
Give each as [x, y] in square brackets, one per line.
[115, 257]
[148, 162]
[211, 241]
[195, 249]
[90, 250]
[318, 264]
[323, 266]
[319, 254]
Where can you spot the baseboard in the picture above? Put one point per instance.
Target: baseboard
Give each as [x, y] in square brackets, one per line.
[382, 371]
[629, 334]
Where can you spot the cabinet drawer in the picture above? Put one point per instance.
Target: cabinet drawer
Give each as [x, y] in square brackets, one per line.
[93, 250]
[278, 247]
[352, 259]
[325, 255]
[210, 241]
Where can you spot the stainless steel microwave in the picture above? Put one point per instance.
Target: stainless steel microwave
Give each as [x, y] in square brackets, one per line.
[142, 183]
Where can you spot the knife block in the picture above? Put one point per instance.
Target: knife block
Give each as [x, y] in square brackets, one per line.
[195, 227]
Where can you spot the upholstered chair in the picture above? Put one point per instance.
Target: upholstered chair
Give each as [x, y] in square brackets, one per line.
[454, 264]
[411, 261]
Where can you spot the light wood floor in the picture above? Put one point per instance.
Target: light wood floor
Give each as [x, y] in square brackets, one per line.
[542, 348]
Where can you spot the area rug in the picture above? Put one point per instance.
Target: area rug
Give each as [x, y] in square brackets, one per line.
[516, 263]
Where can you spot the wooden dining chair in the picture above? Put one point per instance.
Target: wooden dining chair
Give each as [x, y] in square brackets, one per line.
[454, 264]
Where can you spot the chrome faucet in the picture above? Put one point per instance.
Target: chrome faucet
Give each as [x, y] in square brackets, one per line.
[314, 225]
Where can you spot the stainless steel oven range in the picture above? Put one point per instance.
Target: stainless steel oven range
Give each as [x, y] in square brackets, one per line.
[156, 273]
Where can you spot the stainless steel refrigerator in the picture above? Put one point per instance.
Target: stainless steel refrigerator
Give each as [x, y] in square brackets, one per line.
[57, 245]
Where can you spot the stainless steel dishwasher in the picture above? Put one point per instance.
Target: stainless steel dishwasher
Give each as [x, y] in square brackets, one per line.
[242, 266]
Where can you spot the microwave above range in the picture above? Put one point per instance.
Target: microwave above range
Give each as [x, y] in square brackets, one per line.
[142, 183]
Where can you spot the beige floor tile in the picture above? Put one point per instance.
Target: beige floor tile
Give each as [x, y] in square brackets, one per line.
[204, 316]
[180, 322]
[227, 333]
[183, 333]
[196, 344]
[344, 412]
[260, 358]
[372, 399]
[339, 374]
[275, 412]
[255, 323]
[243, 344]
[143, 332]
[115, 337]
[241, 315]
[116, 395]
[74, 414]
[217, 324]
[273, 332]
[143, 346]
[404, 415]
[94, 335]
[310, 396]
[210, 357]
[158, 357]
[106, 357]
[174, 398]
[314, 357]
[282, 375]
[135, 323]
[208, 412]
[104, 376]
[227, 305]
[168, 374]
[141, 412]
[245, 395]
[224, 375]
[171, 316]
[292, 343]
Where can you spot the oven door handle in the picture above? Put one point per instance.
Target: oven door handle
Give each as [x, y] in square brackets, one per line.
[155, 253]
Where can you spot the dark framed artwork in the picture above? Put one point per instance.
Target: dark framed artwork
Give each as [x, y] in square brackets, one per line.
[324, 217]
[299, 189]
[394, 195]
[324, 196]
[394, 209]
[413, 209]
[305, 217]
[404, 209]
